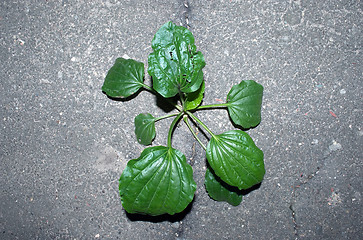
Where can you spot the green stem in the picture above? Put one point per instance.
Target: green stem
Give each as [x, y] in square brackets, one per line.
[182, 100]
[156, 93]
[175, 105]
[148, 88]
[166, 116]
[201, 123]
[218, 105]
[172, 127]
[194, 134]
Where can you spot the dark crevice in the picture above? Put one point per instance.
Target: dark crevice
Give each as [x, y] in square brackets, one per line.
[179, 231]
[293, 200]
[291, 207]
[301, 183]
[185, 13]
[192, 160]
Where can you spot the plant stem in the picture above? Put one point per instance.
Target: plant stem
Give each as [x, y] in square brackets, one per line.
[218, 105]
[156, 93]
[194, 134]
[201, 123]
[148, 88]
[175, 105]
[166, 116]
[172, 127]
[182, 100]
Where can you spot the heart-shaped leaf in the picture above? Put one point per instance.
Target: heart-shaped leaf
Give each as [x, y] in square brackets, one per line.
[160, 181]
[235, 158]
[244, 103]
[194, 99]
[175, 65]
[145, 128]
[124, 78]
[221, 191]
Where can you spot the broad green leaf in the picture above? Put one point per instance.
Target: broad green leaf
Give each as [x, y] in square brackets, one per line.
[145, 128]
[244, 103]
[175, 64]
[235, 158]
[194, 99]
[124, 78]
[160, 181]
[221, 191]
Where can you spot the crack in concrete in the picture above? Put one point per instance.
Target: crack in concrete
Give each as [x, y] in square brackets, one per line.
[295, 187]
[185, 12]
[291, 207]
[293, 195]
[180, 230]
[191, 159]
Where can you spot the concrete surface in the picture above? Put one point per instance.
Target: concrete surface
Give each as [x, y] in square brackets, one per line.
[64, 144]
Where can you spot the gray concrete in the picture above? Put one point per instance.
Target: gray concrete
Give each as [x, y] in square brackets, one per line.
[64, 144]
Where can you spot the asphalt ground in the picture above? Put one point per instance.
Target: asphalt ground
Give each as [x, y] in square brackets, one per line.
[64, 144]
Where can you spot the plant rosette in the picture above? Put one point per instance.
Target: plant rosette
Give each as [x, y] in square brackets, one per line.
[161, 181]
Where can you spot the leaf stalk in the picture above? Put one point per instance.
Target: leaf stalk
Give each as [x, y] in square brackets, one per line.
[218, 105]
[201, 123]
[166, 116]
[172, 127]
[194, 134]
[156, 93]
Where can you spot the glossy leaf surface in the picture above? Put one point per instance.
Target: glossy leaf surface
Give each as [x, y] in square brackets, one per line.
[244, 103]
[175, 64]
[160, 181]
[194, 99]
[235, 158]
[124, 78]
[145, 128]
[221, 191]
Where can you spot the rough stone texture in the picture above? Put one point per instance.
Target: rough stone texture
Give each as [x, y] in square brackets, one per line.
[64, 143]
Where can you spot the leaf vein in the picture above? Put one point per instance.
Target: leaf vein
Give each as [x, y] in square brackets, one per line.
[142, 189]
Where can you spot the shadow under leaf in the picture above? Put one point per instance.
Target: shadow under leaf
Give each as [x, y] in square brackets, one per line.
[132, 96]
[161, 218]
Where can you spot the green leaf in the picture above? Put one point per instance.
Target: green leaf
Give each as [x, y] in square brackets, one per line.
[194, 99]
[235, 158]
[124, 78]
[221, 191]
[145, 128]
[160, 181]
[175, 64]
[244, 103]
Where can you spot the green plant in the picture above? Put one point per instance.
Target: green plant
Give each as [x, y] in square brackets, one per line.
[161, 181]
